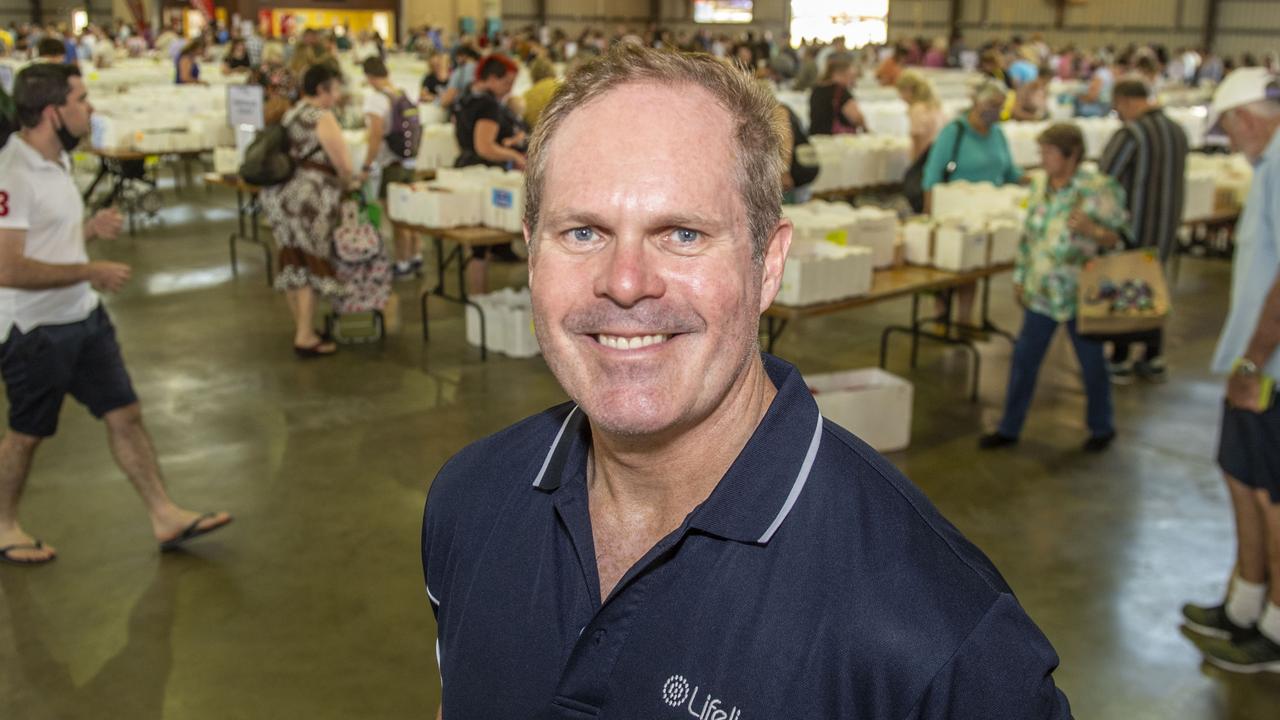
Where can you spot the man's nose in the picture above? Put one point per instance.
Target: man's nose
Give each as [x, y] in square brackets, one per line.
[629, 272]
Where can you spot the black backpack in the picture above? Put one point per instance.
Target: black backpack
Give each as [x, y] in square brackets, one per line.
[804, 159]
[267, 161]
[404, 133]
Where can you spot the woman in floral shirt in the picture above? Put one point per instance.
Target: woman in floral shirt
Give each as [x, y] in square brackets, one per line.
[1072, 216]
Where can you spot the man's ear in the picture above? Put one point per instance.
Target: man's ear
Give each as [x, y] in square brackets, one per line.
[775, 259]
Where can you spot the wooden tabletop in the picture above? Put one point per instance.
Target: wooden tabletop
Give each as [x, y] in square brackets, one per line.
[114, 154]
[1217, 217]
[231, 181]
[889, 284]
[469, 236]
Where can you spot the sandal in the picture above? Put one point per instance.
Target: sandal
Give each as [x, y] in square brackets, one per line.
[37, 545]
[314, 351]
[193, 531]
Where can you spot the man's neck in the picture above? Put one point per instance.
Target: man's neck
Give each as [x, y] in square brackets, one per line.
[664, 478]
[44, 141]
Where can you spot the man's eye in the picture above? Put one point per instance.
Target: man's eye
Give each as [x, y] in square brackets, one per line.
[582, 234]
[686, 236]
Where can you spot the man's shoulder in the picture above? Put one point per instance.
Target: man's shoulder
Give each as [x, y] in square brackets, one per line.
[494, 465]
[888, 519]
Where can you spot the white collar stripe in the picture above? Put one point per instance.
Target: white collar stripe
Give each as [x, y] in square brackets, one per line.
[798, 486]
[546, 462]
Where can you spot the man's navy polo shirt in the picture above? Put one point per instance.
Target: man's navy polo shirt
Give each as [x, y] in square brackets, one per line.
[814, 582]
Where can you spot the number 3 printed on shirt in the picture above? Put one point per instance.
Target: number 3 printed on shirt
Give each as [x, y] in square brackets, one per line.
[4, 204]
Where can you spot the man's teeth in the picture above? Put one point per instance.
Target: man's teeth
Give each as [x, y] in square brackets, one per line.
[621, 343]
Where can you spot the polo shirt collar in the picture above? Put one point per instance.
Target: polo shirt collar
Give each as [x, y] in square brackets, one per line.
[762, 485]
[33, 156]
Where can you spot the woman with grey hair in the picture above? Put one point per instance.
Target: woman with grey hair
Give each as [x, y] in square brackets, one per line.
[972, 147]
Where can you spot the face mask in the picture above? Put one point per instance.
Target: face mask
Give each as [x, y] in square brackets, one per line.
[990, 117]
[69, 141]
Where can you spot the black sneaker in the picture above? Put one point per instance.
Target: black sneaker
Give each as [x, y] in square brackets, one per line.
[1152, 371]
[1254, 654]
[995, 440]
[1121, 373]
[402, 270]
[1098, 443]
[1212, 621]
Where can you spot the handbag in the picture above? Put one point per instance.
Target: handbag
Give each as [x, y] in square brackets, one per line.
[357, 238]
[1122, 293]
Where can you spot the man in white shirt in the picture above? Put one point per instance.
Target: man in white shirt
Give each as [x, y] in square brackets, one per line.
[55, 336]
[384, 165]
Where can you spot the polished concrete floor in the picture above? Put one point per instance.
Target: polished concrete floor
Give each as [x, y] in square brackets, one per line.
[312, 603]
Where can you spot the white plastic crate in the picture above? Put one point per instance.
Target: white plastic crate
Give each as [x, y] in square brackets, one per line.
[959, 248]
[917, 241]
[870, 403]
[508, 318]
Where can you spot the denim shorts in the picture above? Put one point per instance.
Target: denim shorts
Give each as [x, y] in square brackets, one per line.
[44, 365]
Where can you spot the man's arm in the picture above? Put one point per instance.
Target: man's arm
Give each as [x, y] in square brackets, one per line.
[1266, 337]
[19, 271]
[373, 141]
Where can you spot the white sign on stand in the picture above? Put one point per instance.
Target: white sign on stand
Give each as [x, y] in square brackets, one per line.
[245, 106]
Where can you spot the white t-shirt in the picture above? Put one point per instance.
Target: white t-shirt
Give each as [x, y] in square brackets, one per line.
[378, 104]
[40, 197]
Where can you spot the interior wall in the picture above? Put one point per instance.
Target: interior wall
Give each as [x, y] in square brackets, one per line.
[1243, 25]
[55, 11]
[573, 16]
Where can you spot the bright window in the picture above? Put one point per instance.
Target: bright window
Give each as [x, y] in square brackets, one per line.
[722, 11]
[79, 21]
[861, 22]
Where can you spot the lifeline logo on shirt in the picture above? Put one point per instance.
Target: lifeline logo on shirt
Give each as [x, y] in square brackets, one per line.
[677, 693]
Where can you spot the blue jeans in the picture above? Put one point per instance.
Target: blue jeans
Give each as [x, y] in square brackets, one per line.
[1028, 355]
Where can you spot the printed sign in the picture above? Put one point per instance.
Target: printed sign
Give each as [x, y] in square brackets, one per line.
[502, 199]
[245, 105]
[839, 237]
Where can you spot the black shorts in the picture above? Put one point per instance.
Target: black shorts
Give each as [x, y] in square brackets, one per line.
[42, 366]
[1249, 448]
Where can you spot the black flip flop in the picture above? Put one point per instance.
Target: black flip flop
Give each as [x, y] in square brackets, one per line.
[192, 531]
[37, 545]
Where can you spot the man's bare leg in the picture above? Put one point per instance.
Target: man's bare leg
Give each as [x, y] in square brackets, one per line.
[16, 452]
[1251, 532]
[134, 453]
[1270, 512]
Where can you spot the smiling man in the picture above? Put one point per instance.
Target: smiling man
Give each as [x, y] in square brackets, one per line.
[688, 536]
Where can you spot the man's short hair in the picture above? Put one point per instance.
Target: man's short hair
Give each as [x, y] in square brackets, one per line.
[51, 47]
[466, 51]
[39, 86]
[375, 68]
[496, 66]
[1133, 88]
[318, 77]
[757, 126]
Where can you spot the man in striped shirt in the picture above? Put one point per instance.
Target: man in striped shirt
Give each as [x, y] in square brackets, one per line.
[1148, 158]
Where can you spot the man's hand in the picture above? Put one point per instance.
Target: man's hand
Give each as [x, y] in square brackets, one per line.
[105, 224]
[1244, 392]
[108, 276]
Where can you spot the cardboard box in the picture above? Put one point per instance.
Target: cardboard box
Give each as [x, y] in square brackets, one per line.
[870, 403]
[917, 241]
[959, 248]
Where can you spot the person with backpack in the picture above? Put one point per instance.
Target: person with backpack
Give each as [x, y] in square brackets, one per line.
[394, 132]
[304, 209]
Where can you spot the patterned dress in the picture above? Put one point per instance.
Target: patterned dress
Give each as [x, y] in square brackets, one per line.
[304, 211]
[1051, 256]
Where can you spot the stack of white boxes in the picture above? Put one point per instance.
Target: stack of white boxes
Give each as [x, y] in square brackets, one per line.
[439, 148]
[461, 197]
[959, 246]
[870, 403]
[1025, 150]
[508, 316]
[1201, 184]
[824, 272]
[974, 202]
[840, 223]
[853, 161]
[161, 119]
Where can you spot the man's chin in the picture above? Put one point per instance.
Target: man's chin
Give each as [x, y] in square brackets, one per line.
[630, 412]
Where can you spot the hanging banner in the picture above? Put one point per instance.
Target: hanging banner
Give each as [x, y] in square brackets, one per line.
[139, 14]
[205, 7]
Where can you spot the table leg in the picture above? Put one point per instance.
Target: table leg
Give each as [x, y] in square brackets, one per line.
[439, 288]
[102, 172]
[422, 300]
[484, 337]
[915, 328]
[255, 236]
